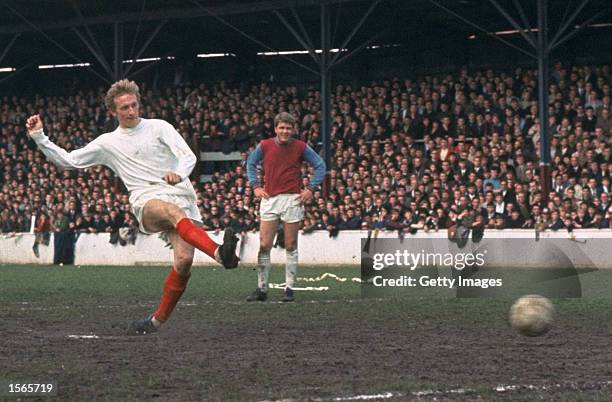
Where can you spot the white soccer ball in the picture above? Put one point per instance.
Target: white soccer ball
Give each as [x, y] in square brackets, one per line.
[532, 315]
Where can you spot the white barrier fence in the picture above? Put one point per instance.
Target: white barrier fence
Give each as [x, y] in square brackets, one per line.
[590, 249]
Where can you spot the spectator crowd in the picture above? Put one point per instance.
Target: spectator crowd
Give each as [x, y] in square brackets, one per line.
[407, 154]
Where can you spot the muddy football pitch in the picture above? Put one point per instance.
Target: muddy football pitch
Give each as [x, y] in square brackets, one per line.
[67, 326]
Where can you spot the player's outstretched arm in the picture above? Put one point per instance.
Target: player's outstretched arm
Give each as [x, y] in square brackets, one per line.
[90, 155]
[34, 124]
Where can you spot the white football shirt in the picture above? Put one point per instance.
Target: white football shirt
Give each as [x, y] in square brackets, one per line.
[140, 156]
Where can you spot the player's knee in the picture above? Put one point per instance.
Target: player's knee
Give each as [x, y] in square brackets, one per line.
[183, 263]
[175, 213]
[264, 246]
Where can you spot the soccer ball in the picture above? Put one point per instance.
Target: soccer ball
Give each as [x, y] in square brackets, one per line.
[532, 315]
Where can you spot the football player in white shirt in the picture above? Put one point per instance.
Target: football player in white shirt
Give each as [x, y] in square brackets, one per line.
[154, 163]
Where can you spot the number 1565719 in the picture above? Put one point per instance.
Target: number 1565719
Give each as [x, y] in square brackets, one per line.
[30, 388]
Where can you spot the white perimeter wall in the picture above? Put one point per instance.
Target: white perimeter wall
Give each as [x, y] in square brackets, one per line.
[593, 249]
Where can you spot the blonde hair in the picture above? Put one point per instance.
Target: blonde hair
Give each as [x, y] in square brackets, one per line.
[121, 87]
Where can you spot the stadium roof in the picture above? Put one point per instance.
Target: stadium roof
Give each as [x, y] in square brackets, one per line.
[52, 31]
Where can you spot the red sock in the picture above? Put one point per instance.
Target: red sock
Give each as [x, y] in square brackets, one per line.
[196, 236]
[174, 286]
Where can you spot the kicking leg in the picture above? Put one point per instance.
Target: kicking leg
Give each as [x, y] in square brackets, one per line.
[159, 216]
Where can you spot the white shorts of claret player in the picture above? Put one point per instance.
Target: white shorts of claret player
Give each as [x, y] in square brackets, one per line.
[186, 203]
[286, 207]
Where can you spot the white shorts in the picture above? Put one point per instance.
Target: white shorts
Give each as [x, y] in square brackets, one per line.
[286, 207]
[187, 204]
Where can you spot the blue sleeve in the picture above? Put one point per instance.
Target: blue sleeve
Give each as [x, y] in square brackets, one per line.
[254, 158]
[317, 163]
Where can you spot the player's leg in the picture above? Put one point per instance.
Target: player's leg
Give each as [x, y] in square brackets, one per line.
[291, 264]
[174, 287]
[291, 217]
[267, 232]
[159, 216]
[176, 281]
